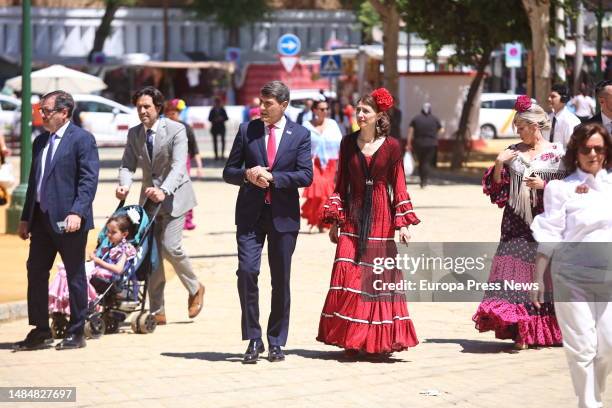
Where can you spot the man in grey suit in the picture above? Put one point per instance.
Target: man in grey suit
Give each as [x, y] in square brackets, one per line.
[159, 147]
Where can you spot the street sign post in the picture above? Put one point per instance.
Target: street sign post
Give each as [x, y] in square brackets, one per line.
[513, 57]
[289, 62]
[289, 45]
[331, 66]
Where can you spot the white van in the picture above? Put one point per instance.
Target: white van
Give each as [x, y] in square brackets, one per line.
[496, 115]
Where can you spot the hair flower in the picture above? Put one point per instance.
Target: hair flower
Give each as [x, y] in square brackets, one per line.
[522, 104]
[383, 99]
[133, 215]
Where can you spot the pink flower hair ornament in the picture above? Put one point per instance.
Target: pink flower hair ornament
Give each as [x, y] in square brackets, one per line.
[383, 99]
[522, 104]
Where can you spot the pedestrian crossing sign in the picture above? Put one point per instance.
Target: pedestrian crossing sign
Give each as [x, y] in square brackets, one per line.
[331, 66]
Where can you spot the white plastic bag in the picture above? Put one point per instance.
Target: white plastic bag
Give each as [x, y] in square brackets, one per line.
[408, 164]
[7, 178]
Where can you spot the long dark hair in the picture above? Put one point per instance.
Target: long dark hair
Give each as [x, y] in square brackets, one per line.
[581, 134]
[124, 224]
[383, 124]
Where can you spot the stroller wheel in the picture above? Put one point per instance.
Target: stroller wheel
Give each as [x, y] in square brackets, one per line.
[143, 323]
[94, 327]
[59, 324]
[112, 325]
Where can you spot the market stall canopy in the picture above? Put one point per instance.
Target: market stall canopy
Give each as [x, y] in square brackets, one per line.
[59, 77]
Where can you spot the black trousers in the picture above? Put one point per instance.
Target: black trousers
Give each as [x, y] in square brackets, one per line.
[280, 249]
[45, 243]
[425, 156]
[218, 134]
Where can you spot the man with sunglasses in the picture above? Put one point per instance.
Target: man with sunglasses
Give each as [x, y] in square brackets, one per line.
[603, 91]
[57, 214]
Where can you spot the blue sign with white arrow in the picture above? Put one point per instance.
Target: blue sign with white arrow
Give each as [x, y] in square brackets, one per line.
[289, 45]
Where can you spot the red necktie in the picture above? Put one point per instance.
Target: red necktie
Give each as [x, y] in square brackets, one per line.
[271, 151]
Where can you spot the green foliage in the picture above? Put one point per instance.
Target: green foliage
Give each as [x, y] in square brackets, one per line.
[475, 27]
[232, 14]
[369, 18]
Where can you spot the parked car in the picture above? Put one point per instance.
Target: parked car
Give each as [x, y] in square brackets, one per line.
[298, 99]
[496, 115]
[106, 119]
[9, 113]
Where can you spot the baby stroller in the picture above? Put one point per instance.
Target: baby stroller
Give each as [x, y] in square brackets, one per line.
[123, 294]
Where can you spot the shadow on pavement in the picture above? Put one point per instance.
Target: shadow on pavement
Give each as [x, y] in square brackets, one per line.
[208, 356]
[340, 356]
[6, 346]
[476, 346]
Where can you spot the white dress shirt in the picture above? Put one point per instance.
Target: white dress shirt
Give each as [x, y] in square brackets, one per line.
[58, 138]
[279, 128]
[153, 129]
[573, 217]
[607, 122]
[566, 122]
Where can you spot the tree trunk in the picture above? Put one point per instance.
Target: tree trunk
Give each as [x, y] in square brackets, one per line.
[560, 43]
[538, 13]
[463, 132]
[389, 16]
[104, 28]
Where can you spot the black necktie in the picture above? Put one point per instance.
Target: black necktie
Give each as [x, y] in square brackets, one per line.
[150, 143]
[552, 130]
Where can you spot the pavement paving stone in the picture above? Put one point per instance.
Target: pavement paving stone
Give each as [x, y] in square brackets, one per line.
[196, 362]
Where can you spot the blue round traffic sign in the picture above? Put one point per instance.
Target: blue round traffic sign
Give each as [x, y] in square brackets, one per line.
[289, 45]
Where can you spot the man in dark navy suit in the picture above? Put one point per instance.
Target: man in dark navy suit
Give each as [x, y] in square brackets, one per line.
[56, 216]
[270, 160]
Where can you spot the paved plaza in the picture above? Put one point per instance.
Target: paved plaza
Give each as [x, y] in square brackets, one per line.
[196, 363]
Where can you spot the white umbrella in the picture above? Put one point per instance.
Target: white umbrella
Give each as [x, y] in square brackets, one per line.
[59, 77]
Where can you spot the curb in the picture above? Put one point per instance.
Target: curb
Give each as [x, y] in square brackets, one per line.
[13, 311]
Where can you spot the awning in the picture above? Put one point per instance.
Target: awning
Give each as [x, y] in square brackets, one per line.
[227, 66]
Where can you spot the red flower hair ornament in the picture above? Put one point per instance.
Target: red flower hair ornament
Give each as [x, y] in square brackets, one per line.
[383, 99]
[522, 104]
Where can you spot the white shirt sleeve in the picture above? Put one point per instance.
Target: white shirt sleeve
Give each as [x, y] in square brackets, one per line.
[548, 228]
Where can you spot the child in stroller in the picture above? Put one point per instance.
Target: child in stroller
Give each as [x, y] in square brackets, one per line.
[111, 277]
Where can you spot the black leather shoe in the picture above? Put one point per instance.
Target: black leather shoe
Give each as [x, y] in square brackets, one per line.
[251, 355]
[35, 339]
[73, 341]
[275, 354]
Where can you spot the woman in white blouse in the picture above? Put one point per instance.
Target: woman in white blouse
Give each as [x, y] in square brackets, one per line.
[577, 210]
[325, 138]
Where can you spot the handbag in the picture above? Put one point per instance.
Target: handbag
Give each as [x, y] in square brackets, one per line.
[408, 163]
[7, 177]
[3, 196]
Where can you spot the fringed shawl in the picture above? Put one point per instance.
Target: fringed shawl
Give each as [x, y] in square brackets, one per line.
[547, 165]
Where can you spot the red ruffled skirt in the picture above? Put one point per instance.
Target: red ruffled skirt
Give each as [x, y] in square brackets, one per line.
[357, 317]
[318, 192]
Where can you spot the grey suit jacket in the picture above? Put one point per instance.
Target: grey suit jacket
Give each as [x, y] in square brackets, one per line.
[167, 169]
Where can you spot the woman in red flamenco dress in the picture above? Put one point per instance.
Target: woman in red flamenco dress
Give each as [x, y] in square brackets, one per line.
[365, 215]
[325, 138]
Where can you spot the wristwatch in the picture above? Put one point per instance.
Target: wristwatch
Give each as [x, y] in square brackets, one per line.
[166, 192]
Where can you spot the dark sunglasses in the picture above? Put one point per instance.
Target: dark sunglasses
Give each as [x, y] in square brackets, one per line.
[587, 150]
[48, 112]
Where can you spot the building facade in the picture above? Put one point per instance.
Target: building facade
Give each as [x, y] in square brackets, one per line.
[66, 34]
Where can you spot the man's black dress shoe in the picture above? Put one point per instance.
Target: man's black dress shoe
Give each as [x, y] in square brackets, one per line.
[275, 354]
[36, 339]
[252, 352]
[73, 341]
